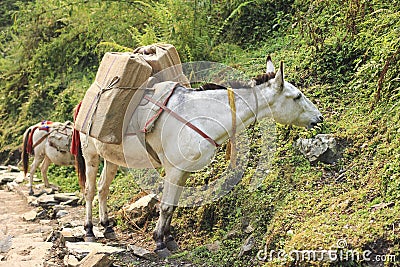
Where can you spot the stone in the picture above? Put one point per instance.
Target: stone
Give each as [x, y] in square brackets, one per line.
[249, 229]
[49, 190]
[247, 246]
[78, 233]
[71, 261]
[64, 197]
[139, 211]
[5, 243]
[39, 193]
[29, 216]
[95, 259]
[82, 249]
[32, 200]
[20, 178]
[61, 213]
[66, 222]
[47, 201]
[214, 247]
[72, 202]
[71, 235]
[232, 234]
[143, 202]
[42, 214]
[12, 186]
[58, 207]
[7, 179]
[142, 252]
[322, 147]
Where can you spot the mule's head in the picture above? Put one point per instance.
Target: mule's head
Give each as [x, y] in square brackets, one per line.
[288, 104]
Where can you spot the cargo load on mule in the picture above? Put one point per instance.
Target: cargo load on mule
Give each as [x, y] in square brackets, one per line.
[119, 85]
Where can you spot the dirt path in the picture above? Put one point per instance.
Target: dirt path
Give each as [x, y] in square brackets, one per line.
[23, 242]
[32, 235]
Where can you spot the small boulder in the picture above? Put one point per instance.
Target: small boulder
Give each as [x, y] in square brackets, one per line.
[139, 211]
[6, 179]
[82, 249]
[5, 243]
[142, 252]
[29, 216]
[61, 213]
[64, 197]
[47, 201]
[71, 261]
[322, 147]
[95, 259]
[247, 246]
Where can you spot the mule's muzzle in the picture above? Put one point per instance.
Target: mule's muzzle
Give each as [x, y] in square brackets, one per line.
[315, 122]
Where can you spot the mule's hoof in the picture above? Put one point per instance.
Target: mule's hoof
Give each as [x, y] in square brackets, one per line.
[90, 239]
[163, 253]
[110, 235]
[172, 245]
[31, 192]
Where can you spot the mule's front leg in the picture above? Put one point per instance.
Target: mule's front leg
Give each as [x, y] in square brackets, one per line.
[170, 242]
[107, 175]
[90, 190]
[166, 211]
[173, 186]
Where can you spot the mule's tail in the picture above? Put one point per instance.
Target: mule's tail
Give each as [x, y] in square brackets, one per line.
[25, 154]
[76, 150]
[80, 166]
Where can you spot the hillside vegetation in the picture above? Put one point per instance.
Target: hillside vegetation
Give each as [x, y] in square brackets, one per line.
[344, 55]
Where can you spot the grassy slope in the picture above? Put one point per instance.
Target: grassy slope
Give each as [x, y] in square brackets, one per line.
[305, 207]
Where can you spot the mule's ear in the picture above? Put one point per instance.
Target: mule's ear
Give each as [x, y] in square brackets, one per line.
[279, 76]
[270, 66]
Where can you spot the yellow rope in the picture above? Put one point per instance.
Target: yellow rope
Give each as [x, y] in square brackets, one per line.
[232, 139]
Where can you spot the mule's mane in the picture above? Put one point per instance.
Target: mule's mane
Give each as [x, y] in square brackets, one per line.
[236, 84]
[263, 78]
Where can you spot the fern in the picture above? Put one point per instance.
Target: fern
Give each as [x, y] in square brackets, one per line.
[232, 15]
[114, 47]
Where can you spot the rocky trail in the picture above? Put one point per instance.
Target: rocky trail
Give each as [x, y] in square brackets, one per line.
[46, 230]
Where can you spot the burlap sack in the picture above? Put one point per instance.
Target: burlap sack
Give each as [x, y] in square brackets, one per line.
[165, 61]
[104, 105]
[60, 137]
[104, 109]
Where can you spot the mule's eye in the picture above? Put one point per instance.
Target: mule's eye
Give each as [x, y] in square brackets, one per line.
[297, 97]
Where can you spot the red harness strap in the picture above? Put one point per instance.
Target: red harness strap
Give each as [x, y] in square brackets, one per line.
[30, 146]
[184, 121]
[145, 130]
